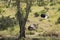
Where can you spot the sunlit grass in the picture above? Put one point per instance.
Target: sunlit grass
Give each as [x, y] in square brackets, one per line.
[43, 26]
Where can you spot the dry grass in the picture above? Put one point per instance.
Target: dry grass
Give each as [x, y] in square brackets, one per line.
[43, 26]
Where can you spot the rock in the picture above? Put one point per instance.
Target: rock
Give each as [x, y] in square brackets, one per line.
[44, 16]
[32, 27]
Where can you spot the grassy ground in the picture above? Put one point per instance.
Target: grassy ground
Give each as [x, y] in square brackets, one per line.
[44, 26]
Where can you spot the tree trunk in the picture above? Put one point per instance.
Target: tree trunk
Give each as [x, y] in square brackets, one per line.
[9, 2]
[19, 17]
[22, 21]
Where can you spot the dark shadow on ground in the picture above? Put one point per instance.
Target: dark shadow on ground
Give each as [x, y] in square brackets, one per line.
[6, 22]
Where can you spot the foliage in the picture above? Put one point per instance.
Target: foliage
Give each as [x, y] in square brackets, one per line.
[43, 11]
[31, 33]
[43, 23]
[6, 22]
[42, 3]
[1, 10]
[58, 21]
[35, 39]
[58, 9]
[52, 4]
[36, 14]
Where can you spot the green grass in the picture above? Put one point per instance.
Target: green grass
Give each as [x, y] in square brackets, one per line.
[43, 26]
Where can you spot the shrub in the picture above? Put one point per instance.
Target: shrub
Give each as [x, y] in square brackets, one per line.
[36, 14]
[1, 10]
[49, 20]
[58, 2]
[58, 21]
[13, 4]
[58, 9]
[43, 11]
[32, 33]
[52, 4]
[42, 3]
[6, 22]
[35, 38]
[39, 38]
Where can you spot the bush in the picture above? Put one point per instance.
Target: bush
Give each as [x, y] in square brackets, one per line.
[35, 38]
[58, 2]
[1, 10]
[13, 4]
[42, 3]
[52, 4]
[6, 22]
[43, 11]
[58, 9]
[58, 21]
[32, 33]
[36, 14]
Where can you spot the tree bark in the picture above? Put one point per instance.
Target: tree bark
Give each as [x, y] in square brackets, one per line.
[22, 21]
[19, 17]
[9, 2]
